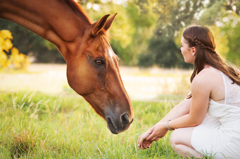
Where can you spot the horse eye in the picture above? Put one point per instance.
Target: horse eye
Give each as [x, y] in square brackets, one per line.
[100, 61]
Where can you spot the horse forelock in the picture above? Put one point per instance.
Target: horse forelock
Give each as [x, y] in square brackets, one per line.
[104, 41]
[103, 35]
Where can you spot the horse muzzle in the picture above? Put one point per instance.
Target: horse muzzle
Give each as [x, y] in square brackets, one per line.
[117, 125]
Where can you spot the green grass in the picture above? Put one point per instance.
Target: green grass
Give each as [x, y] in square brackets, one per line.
[36, 125]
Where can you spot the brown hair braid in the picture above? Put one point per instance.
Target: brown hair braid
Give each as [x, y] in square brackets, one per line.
[202, 39]
[197, 42]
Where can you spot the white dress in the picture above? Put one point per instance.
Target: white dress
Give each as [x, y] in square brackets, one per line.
[219, 133]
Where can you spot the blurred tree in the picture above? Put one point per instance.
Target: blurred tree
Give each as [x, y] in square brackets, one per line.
[85, 2]
[173, 16]
[212, 13]
[224, 19]
[231, 27]
[232, 5]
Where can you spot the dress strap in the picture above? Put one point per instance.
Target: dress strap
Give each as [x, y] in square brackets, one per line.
[224, 82]
[225, 85]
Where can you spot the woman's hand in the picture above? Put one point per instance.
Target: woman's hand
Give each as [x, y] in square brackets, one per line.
[154, 134]
[158, 131]
[142, 142]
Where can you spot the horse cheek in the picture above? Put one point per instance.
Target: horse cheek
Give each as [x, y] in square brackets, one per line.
[79, 77]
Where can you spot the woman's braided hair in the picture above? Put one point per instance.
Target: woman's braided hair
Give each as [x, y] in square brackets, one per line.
[202, 39]
[197, 42]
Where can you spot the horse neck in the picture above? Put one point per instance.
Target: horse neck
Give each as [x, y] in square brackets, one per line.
[58, 21]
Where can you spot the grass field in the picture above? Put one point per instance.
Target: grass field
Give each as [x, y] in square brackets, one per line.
[36, 125]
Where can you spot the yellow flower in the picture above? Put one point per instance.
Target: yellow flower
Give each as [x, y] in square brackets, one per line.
[3, 59]
[17, 59]
[6, 34]
[14, 51]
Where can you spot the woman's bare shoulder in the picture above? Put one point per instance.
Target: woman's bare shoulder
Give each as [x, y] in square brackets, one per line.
[205, 75]
[206, 78]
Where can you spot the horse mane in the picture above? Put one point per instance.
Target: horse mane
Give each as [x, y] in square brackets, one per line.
[78, 10]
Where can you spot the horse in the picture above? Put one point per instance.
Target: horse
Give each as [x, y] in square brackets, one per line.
[92, 66]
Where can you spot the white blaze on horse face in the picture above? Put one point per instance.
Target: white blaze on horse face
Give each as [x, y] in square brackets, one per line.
[110, 52]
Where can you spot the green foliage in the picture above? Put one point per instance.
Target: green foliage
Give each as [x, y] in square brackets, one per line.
[233, 37]
[226, 33]
[164, 53]
[31, 44]
[162, 49]
[232, 5]
[211, 14]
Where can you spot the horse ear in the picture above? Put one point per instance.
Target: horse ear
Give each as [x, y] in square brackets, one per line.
[109, 22]
[100, 24]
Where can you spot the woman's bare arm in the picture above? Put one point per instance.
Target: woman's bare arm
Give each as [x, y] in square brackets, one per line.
[179, 110]
[201, 90]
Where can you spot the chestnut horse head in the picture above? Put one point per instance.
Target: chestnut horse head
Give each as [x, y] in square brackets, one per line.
[92, 66]
[93, 72]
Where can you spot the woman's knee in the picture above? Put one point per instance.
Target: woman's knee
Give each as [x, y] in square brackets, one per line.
[181, 136]
[173, 138]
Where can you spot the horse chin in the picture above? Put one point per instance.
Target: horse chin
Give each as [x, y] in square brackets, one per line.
[111, 126]
[117, 122]
[116, 129]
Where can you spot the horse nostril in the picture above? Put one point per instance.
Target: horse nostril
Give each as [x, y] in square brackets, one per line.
[125, 119]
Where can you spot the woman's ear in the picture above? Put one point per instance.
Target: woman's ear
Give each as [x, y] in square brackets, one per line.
[193, 49]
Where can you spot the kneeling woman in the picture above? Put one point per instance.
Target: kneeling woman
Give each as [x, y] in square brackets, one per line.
[207, 122]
